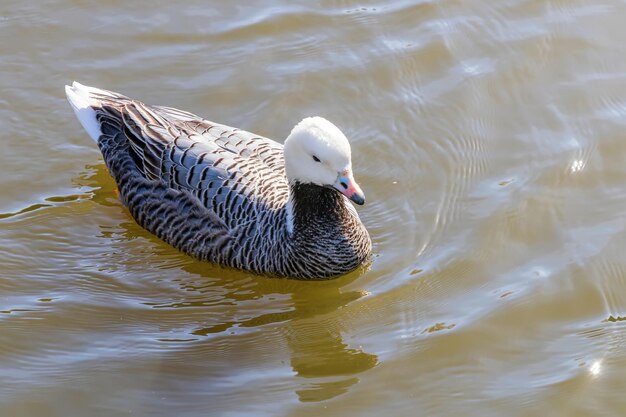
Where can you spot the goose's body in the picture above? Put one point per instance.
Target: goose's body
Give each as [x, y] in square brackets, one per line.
[228, 196]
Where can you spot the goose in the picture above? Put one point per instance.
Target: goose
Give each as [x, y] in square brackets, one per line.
[227, 196]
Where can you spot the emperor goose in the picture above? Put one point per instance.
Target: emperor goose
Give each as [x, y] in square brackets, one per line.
[228, 196]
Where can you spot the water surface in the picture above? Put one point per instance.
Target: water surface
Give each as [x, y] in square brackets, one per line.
[489, 140]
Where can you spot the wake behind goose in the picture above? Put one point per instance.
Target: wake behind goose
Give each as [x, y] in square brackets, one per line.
[228, 196]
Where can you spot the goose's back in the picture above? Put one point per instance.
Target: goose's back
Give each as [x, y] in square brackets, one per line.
[236, 174]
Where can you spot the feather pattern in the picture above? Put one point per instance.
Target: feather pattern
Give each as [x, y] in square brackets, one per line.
[221, 194]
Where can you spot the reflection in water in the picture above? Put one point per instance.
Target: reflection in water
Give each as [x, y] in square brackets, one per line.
[325, 390]
[24, 210]
[321, 355]
[318, 352]
[97, 177]
[596, 368]
[235, 300]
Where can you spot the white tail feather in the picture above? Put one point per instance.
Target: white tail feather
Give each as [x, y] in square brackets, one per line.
[83, 105]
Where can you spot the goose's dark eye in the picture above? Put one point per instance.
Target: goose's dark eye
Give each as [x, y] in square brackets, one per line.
[316, 159]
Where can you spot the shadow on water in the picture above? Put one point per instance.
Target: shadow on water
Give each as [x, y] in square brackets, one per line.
[234, 302]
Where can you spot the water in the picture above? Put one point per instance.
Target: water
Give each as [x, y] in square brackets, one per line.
[489, 140]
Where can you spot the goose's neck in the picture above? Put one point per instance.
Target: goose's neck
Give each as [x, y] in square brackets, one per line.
[313, 206]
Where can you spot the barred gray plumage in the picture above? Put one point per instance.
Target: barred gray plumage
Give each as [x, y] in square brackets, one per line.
[223, 195]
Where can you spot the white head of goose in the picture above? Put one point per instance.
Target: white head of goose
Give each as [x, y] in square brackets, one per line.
[228, 196]
[317, 152]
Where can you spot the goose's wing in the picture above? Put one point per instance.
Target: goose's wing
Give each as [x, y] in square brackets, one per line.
[245, 144]
[234, 173]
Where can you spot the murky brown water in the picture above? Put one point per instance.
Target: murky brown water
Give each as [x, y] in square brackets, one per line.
[489, 137]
